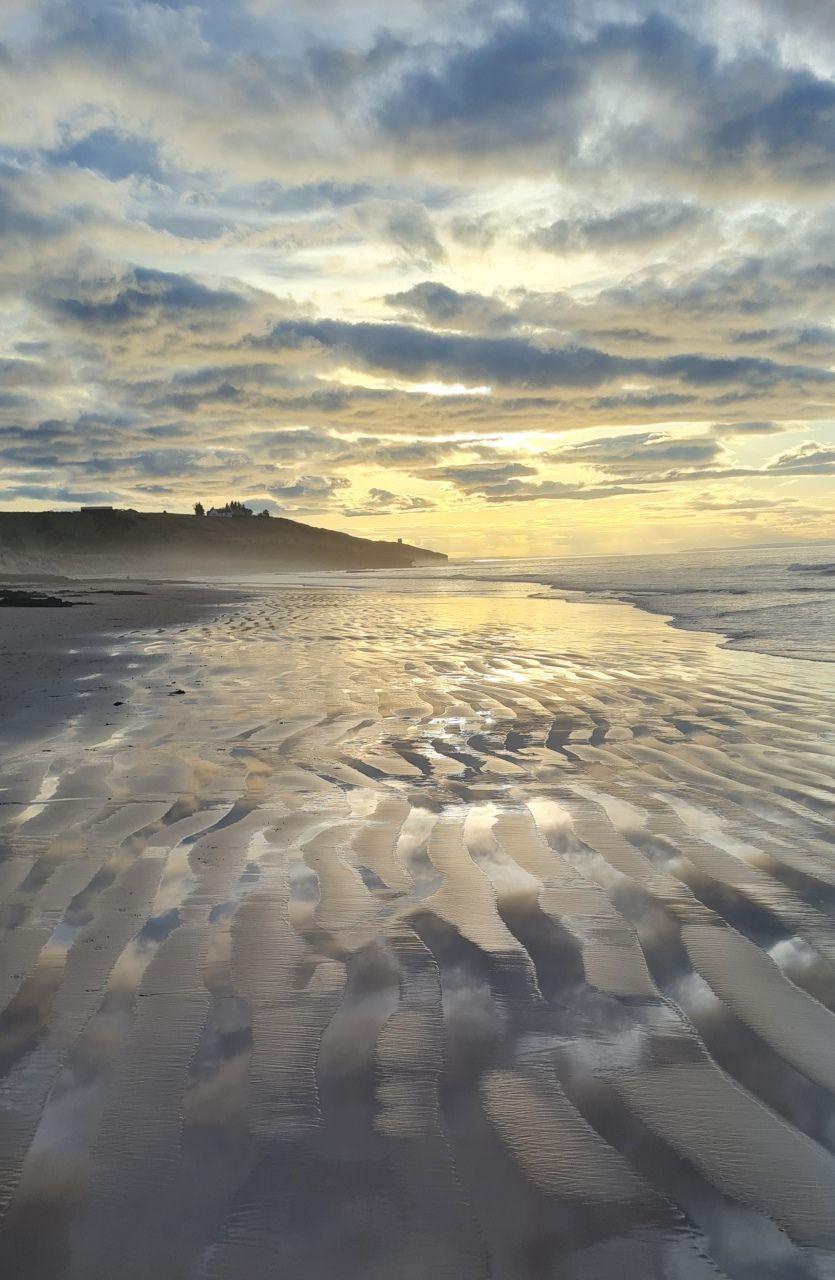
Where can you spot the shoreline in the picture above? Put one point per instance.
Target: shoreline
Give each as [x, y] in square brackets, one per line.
[684, 622]
[362, 579]
[769, 587]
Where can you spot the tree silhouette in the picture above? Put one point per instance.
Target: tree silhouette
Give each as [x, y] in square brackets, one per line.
[199, 509]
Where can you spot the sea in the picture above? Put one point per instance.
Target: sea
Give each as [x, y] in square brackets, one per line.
[778, 600]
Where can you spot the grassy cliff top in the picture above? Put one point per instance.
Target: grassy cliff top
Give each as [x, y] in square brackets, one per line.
[155, 544]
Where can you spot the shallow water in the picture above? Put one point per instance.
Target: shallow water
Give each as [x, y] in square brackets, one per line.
[447, 932]
[775, 599]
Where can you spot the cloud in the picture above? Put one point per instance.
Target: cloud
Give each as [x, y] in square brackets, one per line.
[648, 401]
[748, 508]
[540, 82]
[653, 457]
[507, 482]
[442, 307]
[142, 296]
[788, 510]
[550, 490]
[691, 302]
[475, 477]
[646, 452]
[308, 493]
[502, 91]
[410, 228]
[36, 209]
[179, 318]
[755, 428]
[809, 459]
[384, 502]
[113, 154]
[634, 226]
[792, 128]
[422, 354]
[60, 495]
[807, 338]
[476, 232]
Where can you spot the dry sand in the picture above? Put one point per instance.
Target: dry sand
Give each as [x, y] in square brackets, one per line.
[456, 936]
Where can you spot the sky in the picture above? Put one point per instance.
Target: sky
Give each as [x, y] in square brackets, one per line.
[519, 278]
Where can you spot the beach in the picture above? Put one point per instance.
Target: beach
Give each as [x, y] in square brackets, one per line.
[78, 662]
[363, 929]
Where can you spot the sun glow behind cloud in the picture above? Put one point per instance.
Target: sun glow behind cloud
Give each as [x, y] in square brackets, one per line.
[352, 378]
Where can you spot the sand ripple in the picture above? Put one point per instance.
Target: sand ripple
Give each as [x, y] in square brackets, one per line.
[454, 936]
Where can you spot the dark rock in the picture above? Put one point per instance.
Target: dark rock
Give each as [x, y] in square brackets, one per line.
[13, 599]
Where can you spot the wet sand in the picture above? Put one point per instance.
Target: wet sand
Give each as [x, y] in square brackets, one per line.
[453, 935]
[78, 661]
